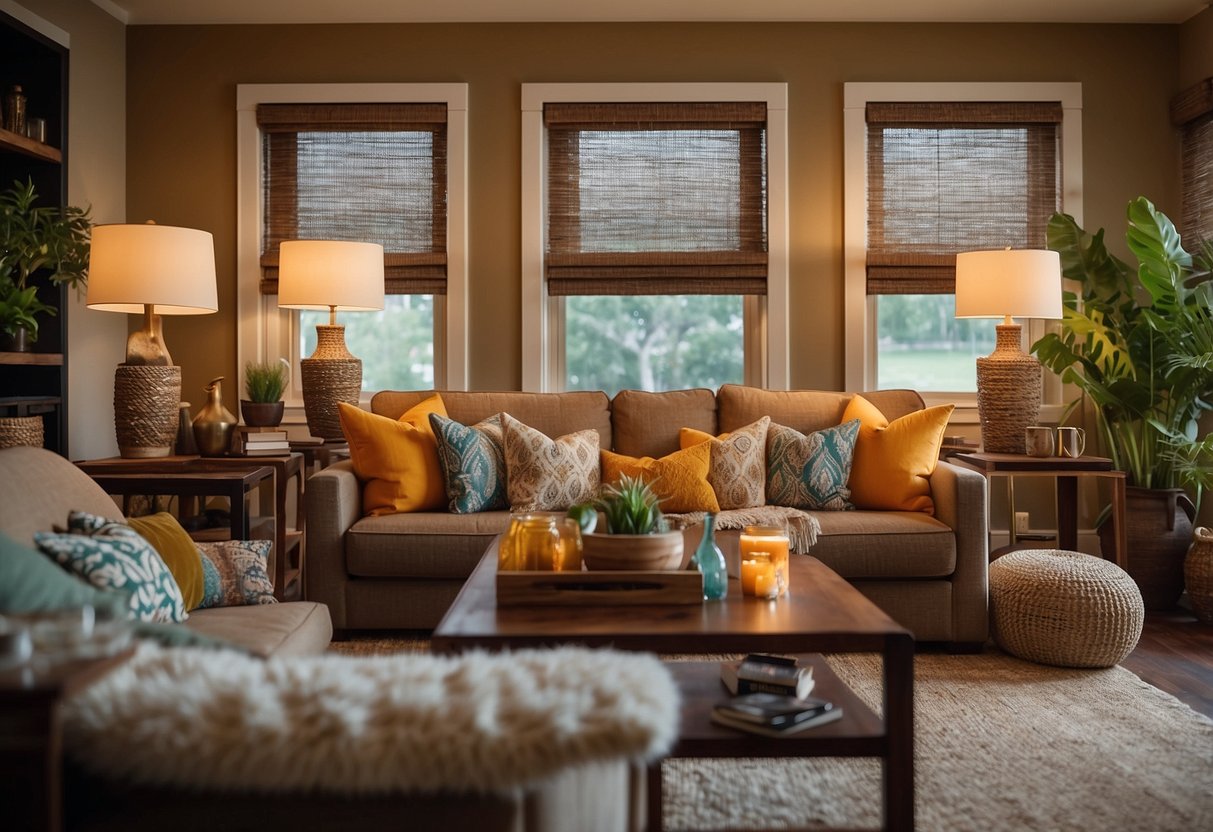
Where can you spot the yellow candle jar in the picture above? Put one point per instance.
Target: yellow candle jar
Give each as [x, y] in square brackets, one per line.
[531, 542]
[773, 541]
[758, 575]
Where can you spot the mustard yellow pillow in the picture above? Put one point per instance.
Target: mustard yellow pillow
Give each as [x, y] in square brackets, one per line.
[396, 459]
[178, 551]
[894, 460]
[680, 479]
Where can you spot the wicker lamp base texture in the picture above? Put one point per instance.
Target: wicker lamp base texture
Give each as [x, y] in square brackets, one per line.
[1064, 608]
[21, 430]
[1008, 394]
[147, 403]
[330, 375]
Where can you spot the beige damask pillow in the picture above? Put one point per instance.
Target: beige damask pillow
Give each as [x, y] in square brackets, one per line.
[545, 474]
[738, 471]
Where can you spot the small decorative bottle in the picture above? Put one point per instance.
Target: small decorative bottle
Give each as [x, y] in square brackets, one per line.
[214, 424]
[709, 560]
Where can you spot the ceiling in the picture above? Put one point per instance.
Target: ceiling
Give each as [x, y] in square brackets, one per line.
[145, 12]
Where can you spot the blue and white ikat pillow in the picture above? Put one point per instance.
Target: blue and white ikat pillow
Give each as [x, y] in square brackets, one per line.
[811, 472]
[112, 556]
[473, 464]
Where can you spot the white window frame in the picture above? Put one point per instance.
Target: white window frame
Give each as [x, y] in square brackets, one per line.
[860, 314]
[766, 318]
[265, 332]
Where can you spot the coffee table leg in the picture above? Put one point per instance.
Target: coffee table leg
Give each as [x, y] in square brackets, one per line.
[898, 769]
[653, 797]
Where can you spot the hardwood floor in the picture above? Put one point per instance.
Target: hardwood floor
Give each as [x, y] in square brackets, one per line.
[1176, 654]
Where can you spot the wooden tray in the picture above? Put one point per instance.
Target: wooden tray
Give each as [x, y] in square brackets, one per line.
[599, 588]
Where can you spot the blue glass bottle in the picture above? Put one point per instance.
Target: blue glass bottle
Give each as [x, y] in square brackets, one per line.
[709, 560]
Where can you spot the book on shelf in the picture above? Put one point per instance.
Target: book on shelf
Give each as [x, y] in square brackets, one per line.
[774, 715]
[777, 731]
[266, 446]
[767, 673]
[248, 434]
[258, 451]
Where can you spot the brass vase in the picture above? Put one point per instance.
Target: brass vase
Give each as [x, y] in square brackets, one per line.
[214, 424]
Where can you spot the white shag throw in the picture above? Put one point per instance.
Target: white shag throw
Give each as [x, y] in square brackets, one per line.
[357, 725]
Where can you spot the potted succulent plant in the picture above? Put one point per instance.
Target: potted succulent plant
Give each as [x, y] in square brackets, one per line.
[264, 385]
[37, 244]
[636, 536]
[1138, 342]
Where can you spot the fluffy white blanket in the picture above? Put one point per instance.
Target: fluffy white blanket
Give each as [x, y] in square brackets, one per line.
[417, 723]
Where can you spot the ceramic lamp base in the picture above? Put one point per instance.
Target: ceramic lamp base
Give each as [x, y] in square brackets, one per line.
[147, 402]
[1008, 393]
[329, 376]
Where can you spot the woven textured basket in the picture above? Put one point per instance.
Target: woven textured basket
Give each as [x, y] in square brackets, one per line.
[1064, 608]
[1198, 573]
[147, 402]
[21, 430]
[1008, 394]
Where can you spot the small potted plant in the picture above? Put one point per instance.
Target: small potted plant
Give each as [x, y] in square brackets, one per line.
[636, 536]
[264, 385]
[36, 242]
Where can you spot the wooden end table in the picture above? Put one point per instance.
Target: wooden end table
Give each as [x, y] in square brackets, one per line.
[821, 614]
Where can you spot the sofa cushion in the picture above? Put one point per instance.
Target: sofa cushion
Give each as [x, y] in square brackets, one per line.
[422, 544]
[38, 488]
[894, 459]
[811, 471]
[178, 551]
[738, 471]
[545, 474]
[885, 544]
[680, 479]
[237, 573]
[473, 464]
[646, 424]
[294, 628]
[804, 410]
[396, 459]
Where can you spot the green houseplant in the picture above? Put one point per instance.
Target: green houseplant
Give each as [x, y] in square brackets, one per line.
[264, 384]
[37, 244]
[636, 536]
[1138, 342]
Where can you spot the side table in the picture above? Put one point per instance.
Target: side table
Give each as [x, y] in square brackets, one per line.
[1066, 471]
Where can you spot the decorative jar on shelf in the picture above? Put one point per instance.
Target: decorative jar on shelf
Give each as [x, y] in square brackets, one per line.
[214, 424]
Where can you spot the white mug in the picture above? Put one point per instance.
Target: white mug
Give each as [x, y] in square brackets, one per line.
[1038, 441]
[1071, 442]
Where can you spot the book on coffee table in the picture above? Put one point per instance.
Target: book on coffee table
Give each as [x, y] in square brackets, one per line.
[773, 715]
[767, 673]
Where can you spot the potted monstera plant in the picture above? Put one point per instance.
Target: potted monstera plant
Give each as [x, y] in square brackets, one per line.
[38, 245]
[1138, 342]
[636, 535]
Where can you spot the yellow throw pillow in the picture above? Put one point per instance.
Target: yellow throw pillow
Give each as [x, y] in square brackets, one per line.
[894, 460]
[178, 551]
[396, 459]
[690, 437]
[680, 479]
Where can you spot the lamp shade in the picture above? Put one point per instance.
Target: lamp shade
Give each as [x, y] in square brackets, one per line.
[330, 274]
[1021, 283]
[131, 266]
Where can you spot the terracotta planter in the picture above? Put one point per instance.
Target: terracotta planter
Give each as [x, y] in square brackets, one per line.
[1158, 523]
[262, 414]
[632, 551]
[1198, 573]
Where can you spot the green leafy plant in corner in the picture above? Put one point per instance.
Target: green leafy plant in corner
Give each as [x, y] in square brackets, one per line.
[265, 382]
[1138, 342]
[37, 243]
[630, 506]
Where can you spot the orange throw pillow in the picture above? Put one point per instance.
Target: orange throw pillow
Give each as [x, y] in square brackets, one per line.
[894, 460]
[680, 479]
[396, 459]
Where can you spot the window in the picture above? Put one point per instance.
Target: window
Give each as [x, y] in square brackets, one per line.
[1192, 112]
[933, 177]
[657, 236]
[359, 163]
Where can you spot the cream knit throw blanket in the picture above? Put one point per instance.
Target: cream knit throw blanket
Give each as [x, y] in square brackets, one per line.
[802, 527]
[417, 723]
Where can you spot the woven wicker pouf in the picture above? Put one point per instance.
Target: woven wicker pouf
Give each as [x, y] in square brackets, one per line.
[1064, 608]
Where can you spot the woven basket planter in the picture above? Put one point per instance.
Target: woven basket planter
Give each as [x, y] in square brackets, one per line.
[1064, 608]
[21, 430]
[1198, 573]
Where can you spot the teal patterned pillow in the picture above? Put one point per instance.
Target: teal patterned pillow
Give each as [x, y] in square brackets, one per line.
[473, 464]
[811, 471]
[111, 555]
[234, 573]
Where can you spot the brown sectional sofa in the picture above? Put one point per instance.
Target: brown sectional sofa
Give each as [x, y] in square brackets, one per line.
[403, 570]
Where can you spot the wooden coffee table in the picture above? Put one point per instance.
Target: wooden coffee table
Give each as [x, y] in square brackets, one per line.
[822, 613]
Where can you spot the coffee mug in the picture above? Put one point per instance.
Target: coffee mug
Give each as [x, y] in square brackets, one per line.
[1038, 441]
[1071, 442]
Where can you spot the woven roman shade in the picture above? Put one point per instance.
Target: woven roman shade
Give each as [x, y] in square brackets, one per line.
[946, 177]
[656, 198]
[374, 173]
[1192, 112]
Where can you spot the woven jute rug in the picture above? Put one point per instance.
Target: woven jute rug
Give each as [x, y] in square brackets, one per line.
[1001, 744]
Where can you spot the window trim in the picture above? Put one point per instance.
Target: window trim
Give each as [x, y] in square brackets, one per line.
[860, 309]
[767, 322]
[265, 332]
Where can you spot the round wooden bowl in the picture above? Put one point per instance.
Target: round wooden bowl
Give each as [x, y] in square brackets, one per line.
[642, 552]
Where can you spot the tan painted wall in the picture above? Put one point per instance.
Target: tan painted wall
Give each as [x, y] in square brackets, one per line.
[97, 178]
[181, 132]
[1196, 49]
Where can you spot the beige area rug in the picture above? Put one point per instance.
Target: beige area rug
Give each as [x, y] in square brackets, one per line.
[1002, 744]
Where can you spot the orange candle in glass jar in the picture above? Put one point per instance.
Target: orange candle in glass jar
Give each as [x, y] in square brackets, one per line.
[757, 574]
[772, 540]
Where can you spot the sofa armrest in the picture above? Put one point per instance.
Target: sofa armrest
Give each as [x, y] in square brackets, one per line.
[334, 503]
[961, 503]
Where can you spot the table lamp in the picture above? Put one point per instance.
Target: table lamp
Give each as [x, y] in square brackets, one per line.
[156, 270]
[337, 276]
[1024, 283]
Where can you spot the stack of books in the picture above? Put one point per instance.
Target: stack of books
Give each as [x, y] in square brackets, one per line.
[262, 442]
[767, 673]
[773, 715]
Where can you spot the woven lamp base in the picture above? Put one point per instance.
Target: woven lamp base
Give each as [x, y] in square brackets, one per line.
[329, 376]
[1008, 393]
[21, 430]
[147, 402]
